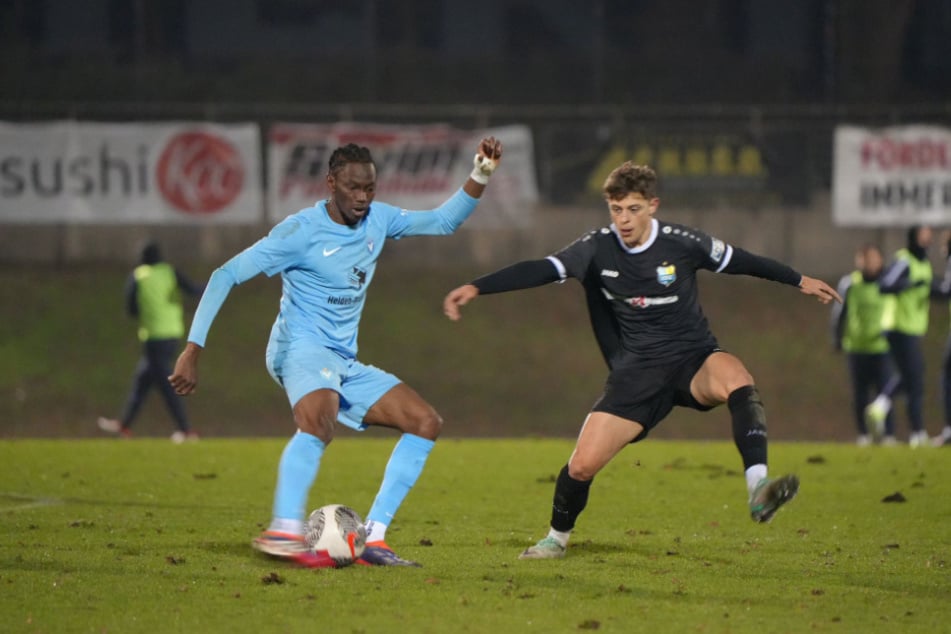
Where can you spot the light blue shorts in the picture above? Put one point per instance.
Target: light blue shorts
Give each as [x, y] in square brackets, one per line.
[301, 367]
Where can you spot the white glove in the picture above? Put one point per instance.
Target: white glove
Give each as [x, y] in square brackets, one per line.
[483, 166]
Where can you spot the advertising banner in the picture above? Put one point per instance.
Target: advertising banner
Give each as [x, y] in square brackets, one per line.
[129, 173]
[896, 176]
[418, 167]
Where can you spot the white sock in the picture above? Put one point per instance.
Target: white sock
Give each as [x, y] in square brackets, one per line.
[882, 402]
[560, 537]
[753, 476]
[376, 531]
[280, 525]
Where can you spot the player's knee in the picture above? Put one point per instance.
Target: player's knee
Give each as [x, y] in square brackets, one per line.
[319, 425]
[427, 424]
[740, 378]
[581, 469]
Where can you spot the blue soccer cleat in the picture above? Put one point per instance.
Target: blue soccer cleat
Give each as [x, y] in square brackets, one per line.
[377, 553]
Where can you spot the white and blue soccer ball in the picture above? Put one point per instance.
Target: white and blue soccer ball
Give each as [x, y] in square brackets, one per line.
[337, 530]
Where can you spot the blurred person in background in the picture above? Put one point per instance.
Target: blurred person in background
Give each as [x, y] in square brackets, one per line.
[153, 295]
[857, 330]
[639, 275]
[327, 255]
[906, 286]
[943, 290]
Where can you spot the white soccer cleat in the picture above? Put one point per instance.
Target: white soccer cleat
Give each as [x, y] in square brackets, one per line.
[770, 495]
[547, 548]
[110, 425]
[919, 439]
[943, 439]
[178, 436]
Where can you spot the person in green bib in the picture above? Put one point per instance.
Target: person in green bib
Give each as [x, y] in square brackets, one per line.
[154, 297]
[857, 330]
[906, 285]
[943, 290]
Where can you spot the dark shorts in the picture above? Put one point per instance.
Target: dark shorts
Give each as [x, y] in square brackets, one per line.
[646, 394]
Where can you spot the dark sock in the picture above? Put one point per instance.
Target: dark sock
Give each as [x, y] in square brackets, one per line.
[749, 425]
[571, 496]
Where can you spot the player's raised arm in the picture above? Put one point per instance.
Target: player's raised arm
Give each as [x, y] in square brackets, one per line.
[449, 216]
[487, 158]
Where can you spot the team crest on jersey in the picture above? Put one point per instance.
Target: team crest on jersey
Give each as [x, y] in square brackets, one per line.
[358, 277]
[370, 245]
[667, 274]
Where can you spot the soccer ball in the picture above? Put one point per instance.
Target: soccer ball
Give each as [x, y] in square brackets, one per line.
[337, 530]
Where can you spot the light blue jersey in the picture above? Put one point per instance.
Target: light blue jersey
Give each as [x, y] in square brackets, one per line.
[325, 268]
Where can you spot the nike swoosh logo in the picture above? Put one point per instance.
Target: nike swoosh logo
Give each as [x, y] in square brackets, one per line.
[329, 252]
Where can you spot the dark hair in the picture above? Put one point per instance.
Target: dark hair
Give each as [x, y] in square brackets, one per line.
[349, 153]
[151, 253]
[912, 236]
[630, 178]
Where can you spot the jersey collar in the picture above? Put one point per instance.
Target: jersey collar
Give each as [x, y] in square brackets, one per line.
[655, 228]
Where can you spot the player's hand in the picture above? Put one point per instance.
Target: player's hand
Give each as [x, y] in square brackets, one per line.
[184, 377]
[458, 298]
[819, 289]
[486, 159]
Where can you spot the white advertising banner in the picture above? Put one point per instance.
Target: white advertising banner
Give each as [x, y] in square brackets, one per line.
[129, 173]
[896, 176]
[418, 167]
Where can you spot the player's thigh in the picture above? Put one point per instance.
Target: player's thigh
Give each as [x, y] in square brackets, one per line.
[602, 436]
[401, 407]
[311, 376]
[316, 413]
[160, 354]
[720, 374]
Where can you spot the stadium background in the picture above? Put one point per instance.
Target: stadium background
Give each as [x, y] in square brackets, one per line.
[587, 78]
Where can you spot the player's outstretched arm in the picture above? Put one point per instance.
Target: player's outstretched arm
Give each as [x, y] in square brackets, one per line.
[525, 274]
[456, 299]
[184, 377]
[487, 158]
[819, 289]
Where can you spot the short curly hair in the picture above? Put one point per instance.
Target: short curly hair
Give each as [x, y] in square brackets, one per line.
[630, 178]
[349, 153]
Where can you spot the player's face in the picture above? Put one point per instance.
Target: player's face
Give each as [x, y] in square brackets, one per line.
[632, 217]
[351, 191]
[871, 263]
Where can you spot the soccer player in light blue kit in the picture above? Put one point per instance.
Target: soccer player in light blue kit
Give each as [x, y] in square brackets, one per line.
[326, 255]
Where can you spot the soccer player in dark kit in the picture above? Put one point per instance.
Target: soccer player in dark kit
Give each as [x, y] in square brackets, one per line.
[639, 276]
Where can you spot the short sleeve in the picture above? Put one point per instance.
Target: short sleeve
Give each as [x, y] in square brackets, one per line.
[574, 259]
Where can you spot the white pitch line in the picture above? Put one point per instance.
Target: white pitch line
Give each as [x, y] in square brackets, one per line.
[29, 502]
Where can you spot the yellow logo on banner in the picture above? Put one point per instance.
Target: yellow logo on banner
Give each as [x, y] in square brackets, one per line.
[690, 159]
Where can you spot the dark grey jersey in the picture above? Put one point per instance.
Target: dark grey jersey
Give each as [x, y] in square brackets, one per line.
[650, 290]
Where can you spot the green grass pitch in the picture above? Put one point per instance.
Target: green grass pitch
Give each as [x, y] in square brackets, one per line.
[145, 536]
